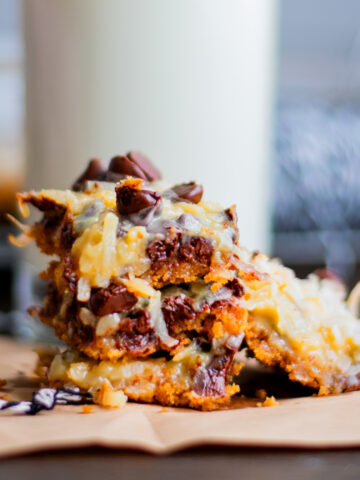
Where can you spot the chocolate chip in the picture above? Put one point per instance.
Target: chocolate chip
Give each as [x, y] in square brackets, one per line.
[162, 252]
[134, 164]
[114, 299]
[196, 249]
[137, 322]
[146, 166]
[122, 167]
[130, 200]
[210, 380]
[176, 248]
[137, 334]
[138, 343]
[177, 311]
[94, 171]
[190, 192]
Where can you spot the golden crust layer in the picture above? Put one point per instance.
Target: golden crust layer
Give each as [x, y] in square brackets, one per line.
[306, 370]
[148, 380]
[305, 328]
[301, 326]
[186, 313]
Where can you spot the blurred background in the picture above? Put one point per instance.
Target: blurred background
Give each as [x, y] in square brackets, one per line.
[258, 100]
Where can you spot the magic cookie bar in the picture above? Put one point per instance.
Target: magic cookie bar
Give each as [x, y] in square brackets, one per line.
[146, 276]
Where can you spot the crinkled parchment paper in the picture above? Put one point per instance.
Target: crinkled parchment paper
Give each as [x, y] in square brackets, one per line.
[310, 422]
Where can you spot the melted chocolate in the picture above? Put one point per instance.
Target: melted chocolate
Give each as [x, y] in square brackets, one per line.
[133, 201]
[211, 380]
[114, 299]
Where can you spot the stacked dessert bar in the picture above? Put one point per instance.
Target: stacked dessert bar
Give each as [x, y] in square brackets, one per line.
[154, 296]
[145, 288]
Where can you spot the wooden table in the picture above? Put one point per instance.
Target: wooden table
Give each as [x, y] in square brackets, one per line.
[201, 463]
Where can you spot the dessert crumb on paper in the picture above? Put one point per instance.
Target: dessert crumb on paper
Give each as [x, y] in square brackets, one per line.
[268, 402]
[109, 398]
[87, 409]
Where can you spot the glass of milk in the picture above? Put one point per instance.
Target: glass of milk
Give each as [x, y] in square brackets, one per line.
[189, 83]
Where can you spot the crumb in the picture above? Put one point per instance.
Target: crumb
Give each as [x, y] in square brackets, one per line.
[271, 402]
[323, 391]
[268, 402]
[237, 368]
[3, 382]
[163, 410]
[261, 394]
[45, 355]
[5, 397]
[109, 398]
[87, 408]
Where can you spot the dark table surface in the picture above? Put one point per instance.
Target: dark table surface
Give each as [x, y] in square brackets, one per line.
[209, 463]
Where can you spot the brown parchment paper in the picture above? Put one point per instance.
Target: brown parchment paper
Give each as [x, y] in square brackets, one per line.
[310, 422]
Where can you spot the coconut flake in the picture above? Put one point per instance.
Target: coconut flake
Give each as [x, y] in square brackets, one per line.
[87, 317]
[83, 290]
[107, 324]
[20, 241]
